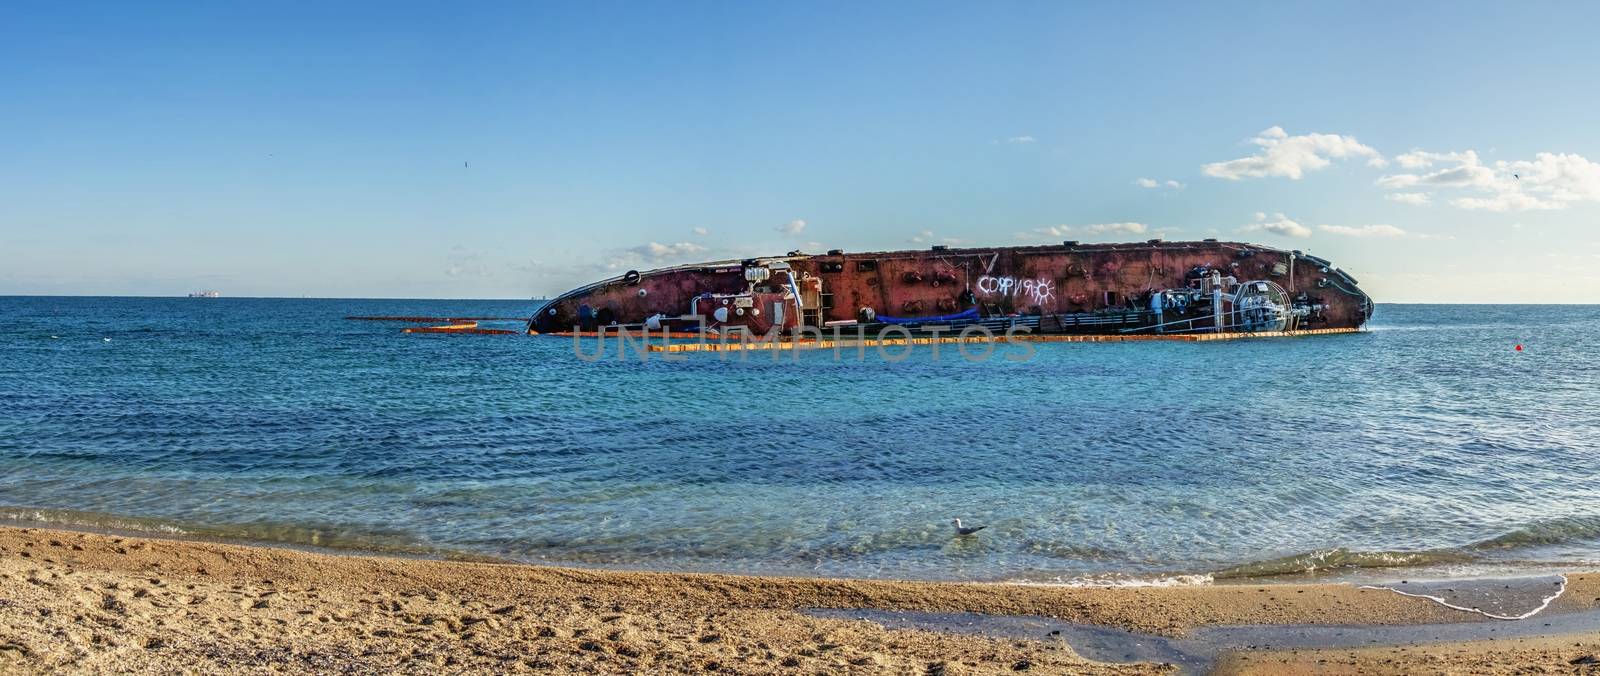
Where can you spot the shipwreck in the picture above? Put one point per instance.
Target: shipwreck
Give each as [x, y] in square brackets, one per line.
[1153, 287]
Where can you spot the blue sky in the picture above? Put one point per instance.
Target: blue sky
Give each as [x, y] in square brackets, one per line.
[518, 149]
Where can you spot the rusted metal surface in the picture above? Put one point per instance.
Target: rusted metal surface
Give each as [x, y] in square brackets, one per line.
[1070, 288]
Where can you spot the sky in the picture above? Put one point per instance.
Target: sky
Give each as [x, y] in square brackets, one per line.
[1438, 152]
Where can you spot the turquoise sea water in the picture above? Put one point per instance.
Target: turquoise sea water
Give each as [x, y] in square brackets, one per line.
[1428, 440]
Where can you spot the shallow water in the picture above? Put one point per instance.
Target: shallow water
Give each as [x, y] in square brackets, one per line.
[1427, 441]
[1198, 650]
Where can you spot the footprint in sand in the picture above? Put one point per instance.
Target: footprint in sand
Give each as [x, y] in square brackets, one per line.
[13, 654]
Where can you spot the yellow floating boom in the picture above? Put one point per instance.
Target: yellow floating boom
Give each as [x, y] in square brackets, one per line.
[951, 340]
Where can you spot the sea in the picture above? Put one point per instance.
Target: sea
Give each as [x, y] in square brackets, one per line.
[1444, 440]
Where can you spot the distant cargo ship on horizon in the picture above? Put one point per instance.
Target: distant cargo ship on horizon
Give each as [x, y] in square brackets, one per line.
[205, 294]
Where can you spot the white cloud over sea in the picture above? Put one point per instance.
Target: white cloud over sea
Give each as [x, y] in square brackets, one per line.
[1292, 157]
[1548, 181]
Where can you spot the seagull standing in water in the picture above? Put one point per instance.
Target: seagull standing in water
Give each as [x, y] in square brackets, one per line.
[966, 530]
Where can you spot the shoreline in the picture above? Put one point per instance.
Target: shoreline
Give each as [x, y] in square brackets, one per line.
[105, 523]
[79, 601]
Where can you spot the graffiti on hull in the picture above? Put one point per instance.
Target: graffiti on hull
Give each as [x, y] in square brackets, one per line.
[1036, 291]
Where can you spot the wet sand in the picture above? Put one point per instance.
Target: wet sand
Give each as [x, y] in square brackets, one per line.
[82, 602]
[1553, 655]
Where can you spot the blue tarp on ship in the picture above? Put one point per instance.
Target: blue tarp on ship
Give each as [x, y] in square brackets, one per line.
[970, 315]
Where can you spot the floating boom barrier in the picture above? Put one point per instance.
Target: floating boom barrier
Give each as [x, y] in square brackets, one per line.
[432, 320]
[463, 327]
[955, 340]
[714, 343]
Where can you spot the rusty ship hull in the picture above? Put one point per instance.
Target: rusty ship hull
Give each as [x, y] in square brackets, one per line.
[1148, 287]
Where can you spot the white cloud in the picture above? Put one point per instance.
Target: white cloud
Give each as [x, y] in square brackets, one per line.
[1292, 156]
[701, 232]
[1278, 224]
[657, 250]
[1549, 181]
[1562, 177]
[1418, 198]
[651, 253]
[1506, 201]
[465, 263]
[1129, 228]
[1174, 185]
[927, 236]
[1467, 171]
[1017, 140]
[1398, 181]
[1376, 230]
[1152, 183]
[1059, 231]
[1046, 232]
[793, 227]
[1418, 159]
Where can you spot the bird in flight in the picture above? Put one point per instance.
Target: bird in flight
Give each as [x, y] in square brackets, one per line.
[966, 530]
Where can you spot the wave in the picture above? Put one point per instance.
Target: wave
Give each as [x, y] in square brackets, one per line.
[1340, 559]
[67, 518]
[1114, 580]
[1498, 550]
[1543, 533]
[394, 543]
[1535, 534]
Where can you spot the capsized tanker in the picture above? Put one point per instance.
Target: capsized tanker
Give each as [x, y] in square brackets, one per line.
[1073, 288]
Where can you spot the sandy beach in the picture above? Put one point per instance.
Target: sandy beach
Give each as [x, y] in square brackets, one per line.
[84, 602]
